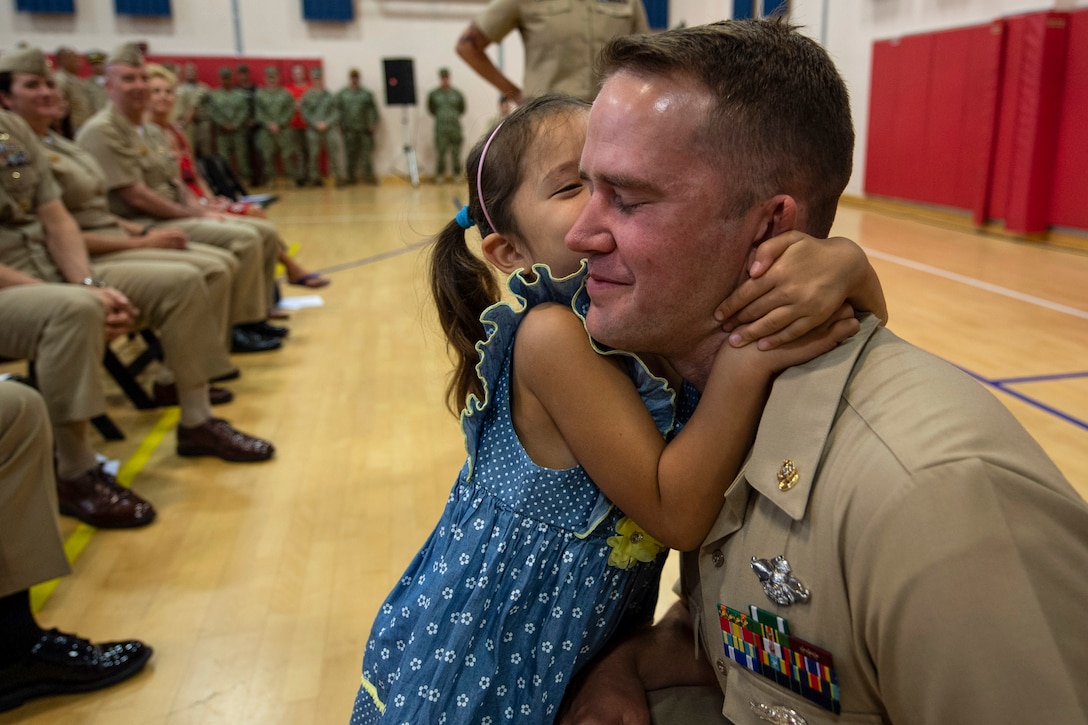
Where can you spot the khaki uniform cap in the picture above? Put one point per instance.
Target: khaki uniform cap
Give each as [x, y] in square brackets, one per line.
[25, 60]
[127, 53]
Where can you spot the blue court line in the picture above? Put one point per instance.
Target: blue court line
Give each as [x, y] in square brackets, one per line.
[1040, 378]
[372, 259]
[1002, 386]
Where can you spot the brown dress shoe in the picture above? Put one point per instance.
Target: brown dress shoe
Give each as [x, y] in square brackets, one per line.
[167, 395]
[97, 499]
[216, 437]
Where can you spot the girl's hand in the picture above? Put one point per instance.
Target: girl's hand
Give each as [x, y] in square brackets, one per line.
[796, 283]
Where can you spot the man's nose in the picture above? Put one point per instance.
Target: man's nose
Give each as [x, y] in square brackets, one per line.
[589, 235]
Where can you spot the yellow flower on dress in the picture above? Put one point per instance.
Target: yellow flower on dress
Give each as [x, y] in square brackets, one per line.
[632, 545]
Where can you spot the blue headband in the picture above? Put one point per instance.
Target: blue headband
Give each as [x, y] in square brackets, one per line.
[463, 219]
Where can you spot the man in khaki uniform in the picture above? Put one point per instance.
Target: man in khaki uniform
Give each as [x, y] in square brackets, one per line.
[35, 662]
[322, 115]
[176, 301]
[275, 107]
[228, 108]
[192, 112]
[561, 44]
[142, 178]
[358, 121]
[95, 84]
[72, 88]
[896, 548]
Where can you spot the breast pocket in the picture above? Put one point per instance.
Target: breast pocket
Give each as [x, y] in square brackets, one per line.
[751, 699]
[614, 9]
[18, 178]
[545, 9]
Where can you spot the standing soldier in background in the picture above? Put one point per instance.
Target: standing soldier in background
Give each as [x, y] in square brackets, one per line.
[229, 110]
[275, 106]
[249, 88]
[297, 130]
[72, 90]
[359, 121]
[95, 84]
[322, 117]
[447, 105]
[192, 110]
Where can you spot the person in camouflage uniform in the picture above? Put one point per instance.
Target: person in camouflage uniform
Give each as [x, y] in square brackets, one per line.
[192, 110]
[244, 83]
[447, 105]
[229, 110]
[358, 121]
[275, 106]
[322, 117]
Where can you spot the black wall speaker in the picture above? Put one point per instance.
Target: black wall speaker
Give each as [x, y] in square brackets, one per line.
[400, 82]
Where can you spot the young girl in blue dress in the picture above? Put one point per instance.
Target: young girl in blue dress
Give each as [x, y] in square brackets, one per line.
[537, 558]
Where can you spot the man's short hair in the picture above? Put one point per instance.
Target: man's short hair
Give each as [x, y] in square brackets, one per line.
[780, 120]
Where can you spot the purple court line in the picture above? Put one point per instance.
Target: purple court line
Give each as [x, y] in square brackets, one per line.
[1001, 385]
[1040, 378]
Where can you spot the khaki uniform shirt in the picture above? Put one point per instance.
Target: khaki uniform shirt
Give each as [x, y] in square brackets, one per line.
[96, 92]
[944, 553]
[130, 154]
[80, 106]
[192, 96]
[562, 38]
[25, 185]
[82, 182]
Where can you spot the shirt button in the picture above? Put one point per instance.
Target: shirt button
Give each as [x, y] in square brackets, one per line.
[16, 175]
[718, 557]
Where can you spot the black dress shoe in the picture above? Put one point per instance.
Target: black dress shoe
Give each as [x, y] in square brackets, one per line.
[63, 664]
[167, 395]
[266, 329]
[247, 341]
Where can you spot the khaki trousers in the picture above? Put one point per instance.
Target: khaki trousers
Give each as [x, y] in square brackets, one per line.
[61, 328]
[30, 545]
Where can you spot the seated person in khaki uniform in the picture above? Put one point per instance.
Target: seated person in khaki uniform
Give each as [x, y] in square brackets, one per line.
[143, 184]
[114, 244]
[40, 239]
[36, 662]
[896, 548]
[63, 328]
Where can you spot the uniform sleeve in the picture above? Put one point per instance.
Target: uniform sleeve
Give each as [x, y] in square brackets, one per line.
[334, 112]
[639, 21]
[120, 161]
[500, 17]
[969, 587]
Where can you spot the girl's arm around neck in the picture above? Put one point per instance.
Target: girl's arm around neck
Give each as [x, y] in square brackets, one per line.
[573, 406]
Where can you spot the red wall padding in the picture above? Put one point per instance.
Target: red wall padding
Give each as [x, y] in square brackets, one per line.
[1069, 198]
[988, 118]
[931, 116]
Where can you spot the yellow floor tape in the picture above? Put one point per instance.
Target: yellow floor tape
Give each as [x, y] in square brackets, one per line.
[77, 542]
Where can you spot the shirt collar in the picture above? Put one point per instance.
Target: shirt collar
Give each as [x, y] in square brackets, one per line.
[797, 419]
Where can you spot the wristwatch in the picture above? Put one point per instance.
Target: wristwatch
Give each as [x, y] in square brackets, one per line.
[92, 282]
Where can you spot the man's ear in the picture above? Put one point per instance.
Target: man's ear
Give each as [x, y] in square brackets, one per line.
[502, 252]
[782, 216]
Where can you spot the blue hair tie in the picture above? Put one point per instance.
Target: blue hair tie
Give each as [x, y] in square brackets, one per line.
[463, 219]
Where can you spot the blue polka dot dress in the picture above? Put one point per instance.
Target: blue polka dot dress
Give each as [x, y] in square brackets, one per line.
[513, 591]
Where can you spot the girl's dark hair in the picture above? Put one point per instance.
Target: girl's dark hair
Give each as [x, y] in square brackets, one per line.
[464, 285]
[5, 81]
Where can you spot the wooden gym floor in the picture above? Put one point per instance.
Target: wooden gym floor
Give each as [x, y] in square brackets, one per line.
[257, 583]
